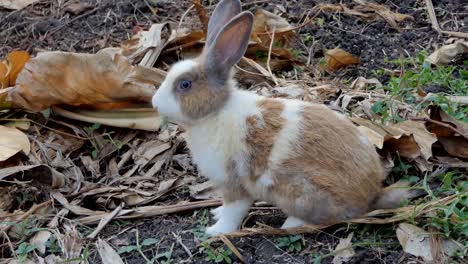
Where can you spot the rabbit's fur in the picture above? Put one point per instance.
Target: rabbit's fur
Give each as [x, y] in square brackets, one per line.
[304, 158]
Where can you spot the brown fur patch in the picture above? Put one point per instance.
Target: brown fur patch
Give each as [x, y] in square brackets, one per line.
[204, 97]
[261, 134]
[330, 175]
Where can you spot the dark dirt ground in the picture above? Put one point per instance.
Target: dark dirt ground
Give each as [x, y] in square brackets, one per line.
[47, 26]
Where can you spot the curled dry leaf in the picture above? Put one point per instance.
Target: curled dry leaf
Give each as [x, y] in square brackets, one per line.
[12, 141]
[77, 7]
[82, 79]
[410, 138]
[368, 11]
[16, 4]
[40, 239]
[266, 22]
[414, 241]
[337, 59]
[10, 68]
[39, 173]
[71, 243]
[155, 38]
[391, 17]
[135, 118]
[107, 253]
[453, 136]
[449, 53]
[360, 83]
[344, 250]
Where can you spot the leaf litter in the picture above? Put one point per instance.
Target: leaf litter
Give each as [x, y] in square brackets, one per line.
[129, 178]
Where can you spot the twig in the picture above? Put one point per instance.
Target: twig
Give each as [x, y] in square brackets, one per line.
[57, 29]
[44, 126]
[137, 237]
[435, 23]
[201, 14]
[269, 56]
[179, 240]
[183, 17]
[104, 221]
[233, 248]
[440, 124]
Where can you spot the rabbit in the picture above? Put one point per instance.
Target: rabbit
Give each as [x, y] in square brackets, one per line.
[310, 161]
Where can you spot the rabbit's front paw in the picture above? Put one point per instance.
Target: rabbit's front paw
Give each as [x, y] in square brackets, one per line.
[217, 212]
[220, 228]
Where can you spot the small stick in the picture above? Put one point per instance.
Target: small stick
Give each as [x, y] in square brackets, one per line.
[435, 23]
[269, 56]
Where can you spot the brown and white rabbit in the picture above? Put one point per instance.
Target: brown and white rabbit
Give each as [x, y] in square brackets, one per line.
[304, 158]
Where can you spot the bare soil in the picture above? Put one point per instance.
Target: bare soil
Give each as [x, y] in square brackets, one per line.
[47, 26]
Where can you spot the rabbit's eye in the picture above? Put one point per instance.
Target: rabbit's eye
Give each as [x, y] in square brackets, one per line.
[185, 84]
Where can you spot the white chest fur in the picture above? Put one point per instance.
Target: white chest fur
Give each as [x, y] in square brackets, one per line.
[207, 156]
[219, 140]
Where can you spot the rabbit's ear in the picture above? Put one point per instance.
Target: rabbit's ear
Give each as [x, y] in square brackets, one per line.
[224, 11]
[229, 46]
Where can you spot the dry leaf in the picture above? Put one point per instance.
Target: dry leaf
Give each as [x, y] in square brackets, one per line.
[265, 21]
[71, 243]
[337, 59]
[107, 253]
[6, 199]
[70, 78]
[40, 239]
[204, 191]
[456, 146]
[16, 4]
[77, 8]
[414, 241]
[344, 250]
[449, 53]
[410, 138]
[340, 8]
[135, 118]
[140, 43]
[366, 10]
[391, 17]
[14, 63]
[360, 83]
[454, 139]
[12, 141]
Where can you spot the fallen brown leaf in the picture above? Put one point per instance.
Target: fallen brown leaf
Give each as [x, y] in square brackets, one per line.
[12, 141]
[344, 250]
[409, 138]
[107, 253]
[155, 38]
[449, 53]
[337, 59]
[452, 134]
[360, 83]
[135, 118]
[77, 8]
[414, 241]
[204, 191]
[367, 11]
[16, 4]
[54, 78]
[13, 64]
[150, 211]
[40, 239]
[391, 17]
[267, 22]
[71, 243]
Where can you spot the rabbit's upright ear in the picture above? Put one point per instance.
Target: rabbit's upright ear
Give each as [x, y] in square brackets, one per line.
[224, 11]
[228, 47]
